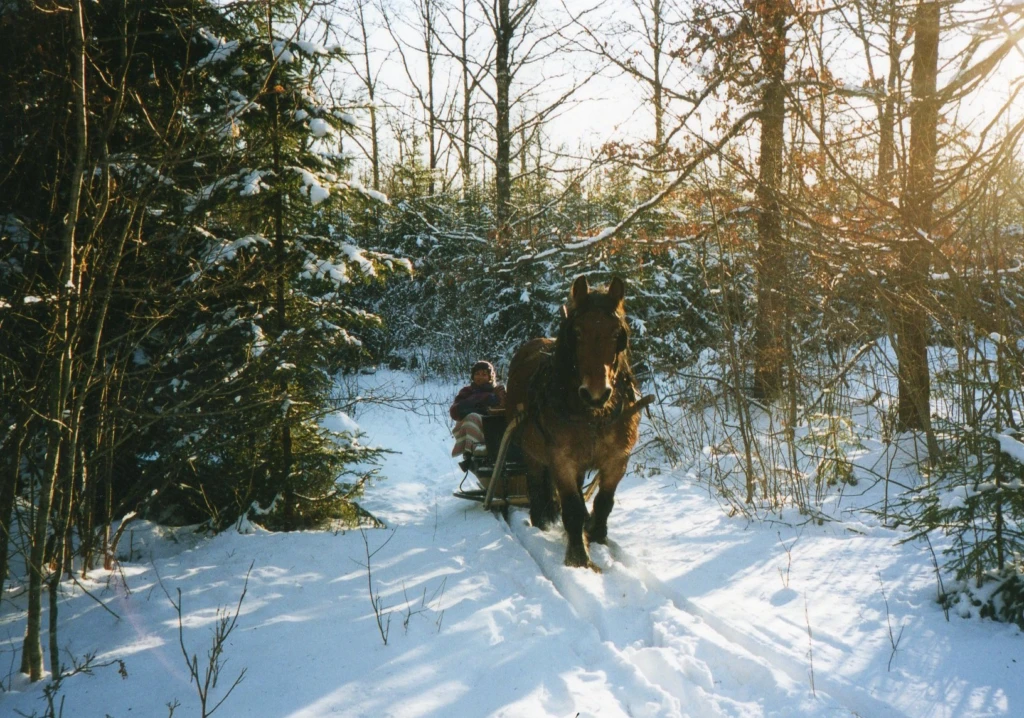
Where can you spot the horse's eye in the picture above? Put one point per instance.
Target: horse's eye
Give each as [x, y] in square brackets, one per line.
[620, 342]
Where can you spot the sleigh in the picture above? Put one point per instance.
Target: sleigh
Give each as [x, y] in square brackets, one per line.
[497, 467]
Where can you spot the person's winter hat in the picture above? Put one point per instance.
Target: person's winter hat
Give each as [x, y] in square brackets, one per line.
[482, 365]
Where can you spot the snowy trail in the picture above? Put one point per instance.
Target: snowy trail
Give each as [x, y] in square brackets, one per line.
[666, 646]
[665, 643]
[697, 614]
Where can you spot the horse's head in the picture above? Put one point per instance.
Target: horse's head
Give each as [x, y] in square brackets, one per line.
[596, 337]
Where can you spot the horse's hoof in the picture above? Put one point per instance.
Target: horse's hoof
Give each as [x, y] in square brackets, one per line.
[577, 557]
[540, 522]
[597, 535]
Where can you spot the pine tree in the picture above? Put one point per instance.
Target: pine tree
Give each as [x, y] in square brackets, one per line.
[276, 273]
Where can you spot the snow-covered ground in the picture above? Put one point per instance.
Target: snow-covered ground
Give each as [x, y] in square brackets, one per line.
[695, 614]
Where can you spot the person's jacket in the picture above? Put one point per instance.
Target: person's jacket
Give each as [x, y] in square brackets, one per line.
[474, 399]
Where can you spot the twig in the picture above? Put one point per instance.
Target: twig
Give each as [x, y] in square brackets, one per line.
[104, 606]
[810, 645]
[789, 559]
[215, 661]
[382, 615]
[894, 641]
[938, 577]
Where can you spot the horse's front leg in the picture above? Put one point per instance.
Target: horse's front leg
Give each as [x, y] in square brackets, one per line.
[574, 518]
[608, 479]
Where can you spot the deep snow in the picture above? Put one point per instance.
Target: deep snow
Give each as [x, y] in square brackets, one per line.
[696, 613]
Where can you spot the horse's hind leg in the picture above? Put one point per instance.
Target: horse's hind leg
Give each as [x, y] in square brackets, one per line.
[543, 506]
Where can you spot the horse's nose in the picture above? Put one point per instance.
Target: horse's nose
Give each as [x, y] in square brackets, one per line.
[588, 397]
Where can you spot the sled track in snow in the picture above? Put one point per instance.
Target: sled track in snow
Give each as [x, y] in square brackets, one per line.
[668, 643]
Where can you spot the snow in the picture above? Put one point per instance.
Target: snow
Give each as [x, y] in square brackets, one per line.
[1011, 447]
[222, 49]
[281, 52]
[371, 193]
[222, 251]
[315, 268]
[696, 613]
[355, 255]
[347, 117]
[314, 185]
[319, 127]
[587, 241]
[253, 183]
[310, 48]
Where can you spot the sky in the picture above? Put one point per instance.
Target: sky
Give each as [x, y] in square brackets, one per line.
[612, 106]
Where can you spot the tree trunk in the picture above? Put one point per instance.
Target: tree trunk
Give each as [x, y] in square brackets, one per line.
[657, 87]
[467, 98]
[371, 93]
[283, 479]
[9, 492]
[771, 323]
[32, 651]
[887, 112]
[912, 321]
[503, 78]
[428, 42]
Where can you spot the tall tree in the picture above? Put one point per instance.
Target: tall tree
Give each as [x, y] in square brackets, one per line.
[180, 296]
[425, 89]
[368, 69]
[912, 322]
[994, 39]
[770, 19]
[89, 137]
[521, 85]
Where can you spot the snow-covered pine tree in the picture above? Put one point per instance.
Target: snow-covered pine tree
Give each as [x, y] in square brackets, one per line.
[253, 359]
[975, 492]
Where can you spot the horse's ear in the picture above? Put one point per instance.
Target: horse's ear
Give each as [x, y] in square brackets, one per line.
[617, 291]
[580, 288]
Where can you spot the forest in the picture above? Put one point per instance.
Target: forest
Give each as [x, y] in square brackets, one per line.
[214, 212]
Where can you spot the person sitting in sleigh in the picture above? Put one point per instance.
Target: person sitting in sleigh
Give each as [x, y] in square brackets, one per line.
[480, 396]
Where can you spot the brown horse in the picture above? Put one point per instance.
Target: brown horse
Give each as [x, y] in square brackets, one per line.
[580, 410]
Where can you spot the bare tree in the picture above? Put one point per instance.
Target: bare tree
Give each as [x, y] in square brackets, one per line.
[368, 72]
[457, 41]
[924, 186]
[770, 19]
[522, 80]
[914, 256]
[425, 89]
[642, 45]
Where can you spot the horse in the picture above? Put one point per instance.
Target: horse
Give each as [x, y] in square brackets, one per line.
[578, 410]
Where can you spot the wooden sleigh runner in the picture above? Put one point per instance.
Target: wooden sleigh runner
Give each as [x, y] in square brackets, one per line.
[500, 472]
